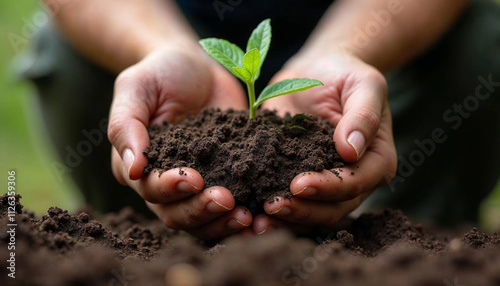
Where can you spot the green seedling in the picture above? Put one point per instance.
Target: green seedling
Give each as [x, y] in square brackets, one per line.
[247, 66]
[293, 122]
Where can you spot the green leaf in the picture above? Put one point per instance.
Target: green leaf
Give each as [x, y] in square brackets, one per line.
[261, 40]
[285, 87]
[243, 73]
[251, 62]
[302, 116]
[297, 127]
[225, 52]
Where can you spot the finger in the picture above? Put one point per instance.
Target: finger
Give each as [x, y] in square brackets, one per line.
[117, 166]
[235, 221]
[169, 186]
[196, 210]
[263, 224]
[352, 180]
[363, 100]
[308, 212]
[128, 121]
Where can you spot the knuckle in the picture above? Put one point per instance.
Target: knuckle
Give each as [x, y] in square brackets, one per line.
[390, 173]
[377, 79]
[115, 128]
[302, 215]
[124, 77]
[147, 197]
[170, 223]
[392, 168]
[350, 192]
[165, 191]
[393, 162]
[356, 190]
[369, 118]
[190, 216]
[133, 81]
[193, 217]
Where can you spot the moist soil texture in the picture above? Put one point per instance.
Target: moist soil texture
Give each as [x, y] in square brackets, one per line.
[126, 249]
[255, 159]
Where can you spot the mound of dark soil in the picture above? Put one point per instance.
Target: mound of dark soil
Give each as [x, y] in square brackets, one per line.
[255, 159]
[126, 249]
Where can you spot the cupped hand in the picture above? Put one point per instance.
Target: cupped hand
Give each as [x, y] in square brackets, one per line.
[354, 98]
[168, 85]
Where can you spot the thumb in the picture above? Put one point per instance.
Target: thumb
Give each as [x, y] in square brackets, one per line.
[128, 121]
[361, 118]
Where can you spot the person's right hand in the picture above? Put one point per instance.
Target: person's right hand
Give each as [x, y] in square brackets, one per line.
[170, 84]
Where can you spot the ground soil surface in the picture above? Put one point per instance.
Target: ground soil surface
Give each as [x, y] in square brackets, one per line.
[126, 249]
[255, 159]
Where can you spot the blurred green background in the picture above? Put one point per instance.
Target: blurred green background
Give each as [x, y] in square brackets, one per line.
[25, 149]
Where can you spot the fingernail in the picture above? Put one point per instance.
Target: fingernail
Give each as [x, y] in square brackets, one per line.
[262, 232]
[268, 228]
[236, 224]
[186, 187]
[215, 207]
[357, 141]
[276, 211]
[306, 191]
[128, 160]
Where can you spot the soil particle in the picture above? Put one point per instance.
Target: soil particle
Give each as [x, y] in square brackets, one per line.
[255, 159]
[126, 249]
[375, 232]
[4, 205]
[475, 239]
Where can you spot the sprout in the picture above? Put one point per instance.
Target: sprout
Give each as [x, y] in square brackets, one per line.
[246, 66]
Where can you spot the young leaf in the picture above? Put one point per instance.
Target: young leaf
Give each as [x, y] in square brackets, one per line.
[261, 40]
[251, 62]
[247, 66]
[301, 116]
[243, 73]
[285, 87]
[225, 52]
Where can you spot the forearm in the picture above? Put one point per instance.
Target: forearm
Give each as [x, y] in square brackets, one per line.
[383, 33]
[118, 33]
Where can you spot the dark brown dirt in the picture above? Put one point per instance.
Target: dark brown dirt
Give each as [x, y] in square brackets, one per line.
[126, 249]
[255, 159]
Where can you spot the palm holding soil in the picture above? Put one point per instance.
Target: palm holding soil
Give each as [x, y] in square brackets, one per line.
[354, 99]
[169, 85]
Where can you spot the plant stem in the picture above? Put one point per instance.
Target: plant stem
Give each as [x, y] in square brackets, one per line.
[251, 99]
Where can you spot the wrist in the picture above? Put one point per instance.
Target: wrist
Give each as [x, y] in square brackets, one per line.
[344, 48]
[185, 45]
[307, 59]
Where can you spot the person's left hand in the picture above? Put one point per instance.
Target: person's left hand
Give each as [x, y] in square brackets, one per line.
[354, 98]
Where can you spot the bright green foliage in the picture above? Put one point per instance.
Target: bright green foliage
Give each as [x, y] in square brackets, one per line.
[246, 66]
